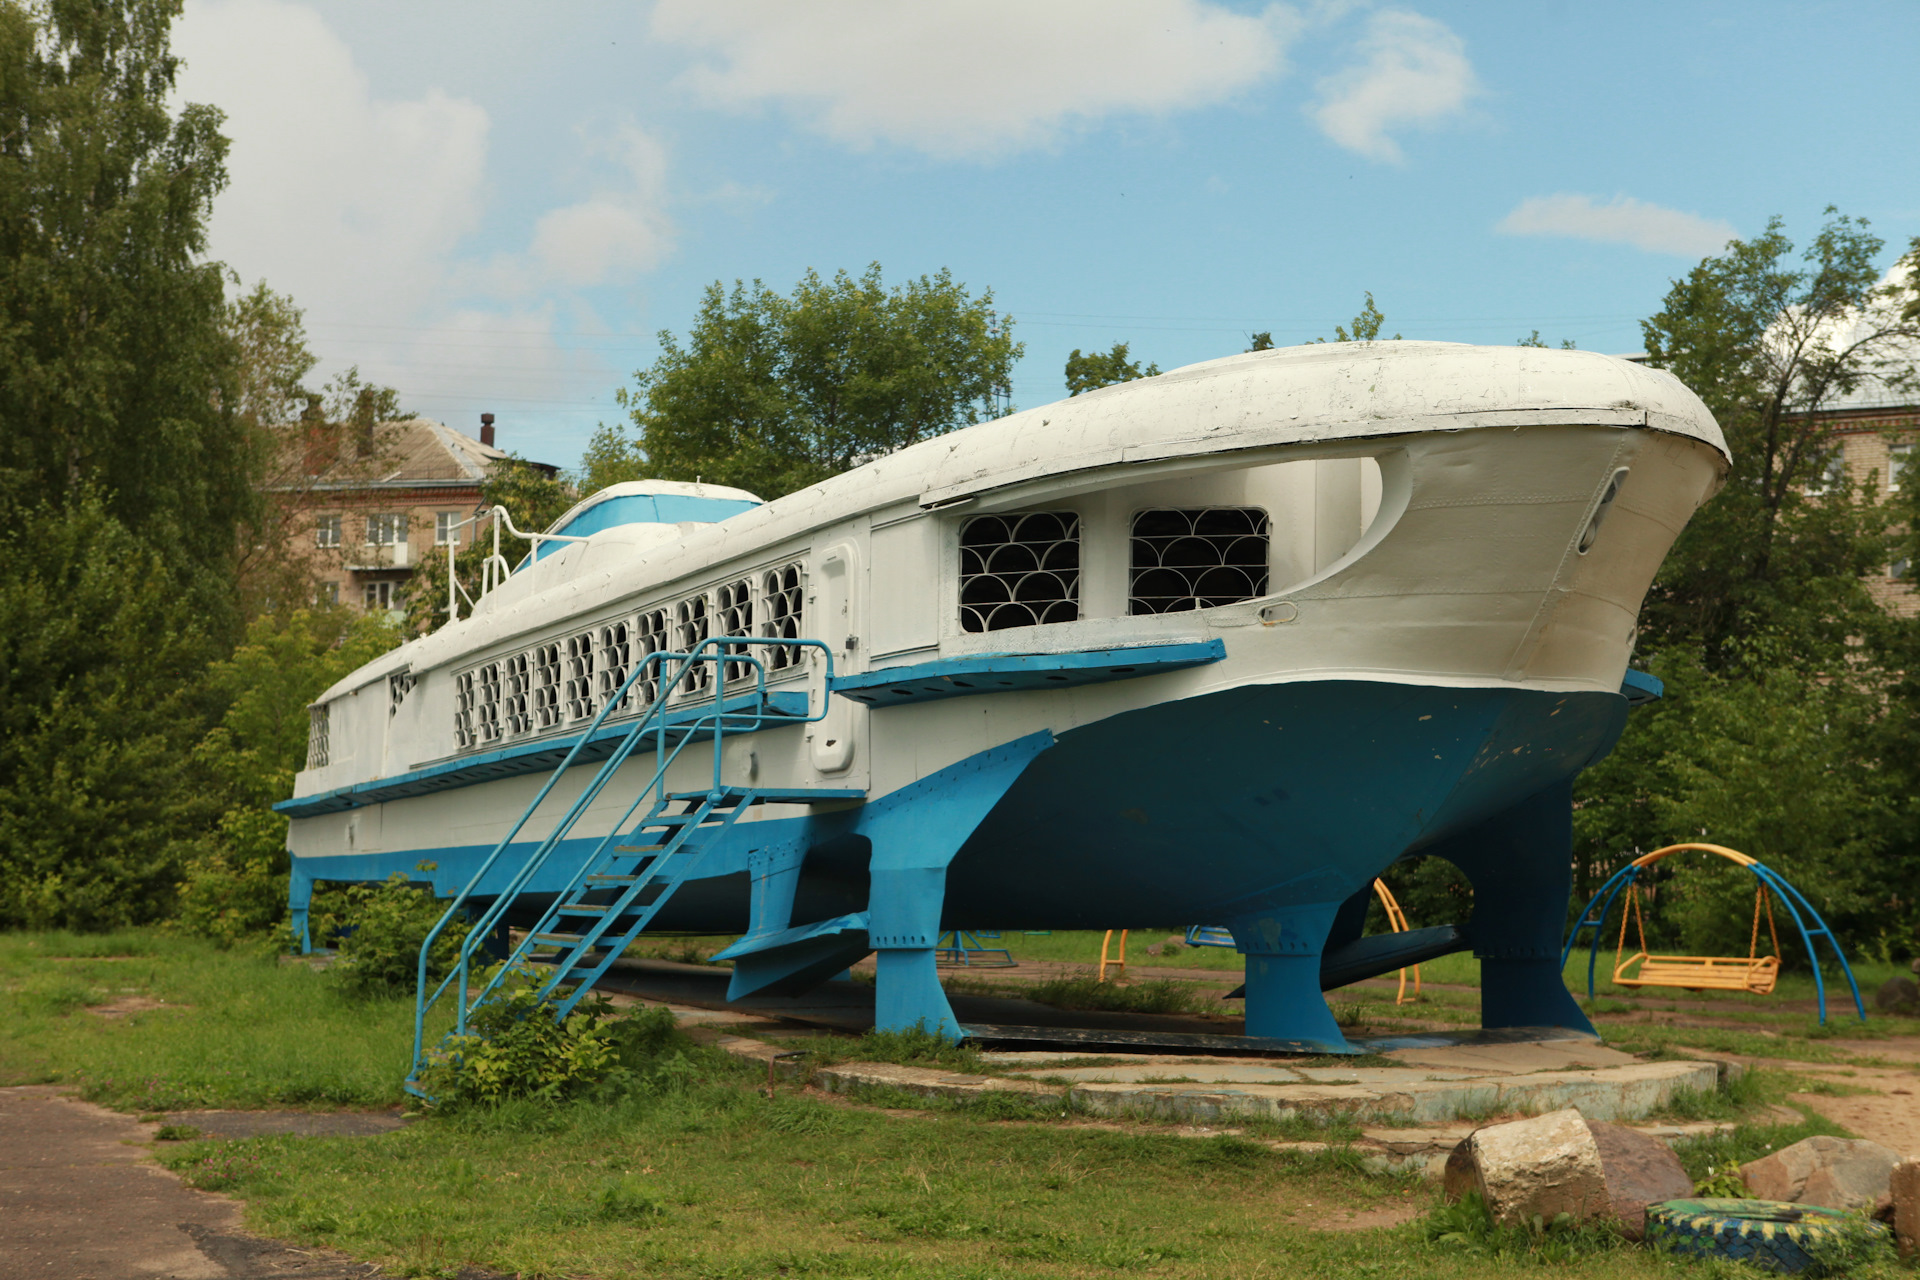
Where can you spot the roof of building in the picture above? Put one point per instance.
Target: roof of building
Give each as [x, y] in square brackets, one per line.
[411, 453]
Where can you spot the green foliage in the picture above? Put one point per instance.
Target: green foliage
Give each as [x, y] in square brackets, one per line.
[234, 882]
[1262, 341]
[1366, 325]
[772, 394]
[1098, 369]
[1769, 344]
[1468, 1226]
[381, 932]
[1535, 340]
[101, 699]
[1859, 1248]
[533, 497]
[517, 1049]
[915, 1046]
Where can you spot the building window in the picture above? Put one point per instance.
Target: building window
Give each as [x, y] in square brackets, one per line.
[386, 529]
[379, 595]
[327, 593]
[1897, 459]
[446, 528]
[1197, 559]
[326, 531]
[1019, 570]
[1829, 473]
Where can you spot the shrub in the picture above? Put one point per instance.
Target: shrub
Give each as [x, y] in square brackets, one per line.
[517, 1049]
[382, 931]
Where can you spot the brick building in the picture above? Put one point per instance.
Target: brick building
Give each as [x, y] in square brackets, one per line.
[1876, 447]
[366, 506]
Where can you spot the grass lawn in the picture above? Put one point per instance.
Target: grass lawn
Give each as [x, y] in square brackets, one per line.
[697, 1173]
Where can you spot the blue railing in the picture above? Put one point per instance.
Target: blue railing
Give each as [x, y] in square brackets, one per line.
[724, 655]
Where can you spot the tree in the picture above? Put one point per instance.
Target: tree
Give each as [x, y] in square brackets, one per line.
[1262, 341]
[534, 498]
[125, 469]
[772, 393]
[1535, 340]
[1098, 369]
[1770, 345]
[1366, 325]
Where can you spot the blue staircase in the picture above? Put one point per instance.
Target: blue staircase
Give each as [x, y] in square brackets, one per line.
[634, 869]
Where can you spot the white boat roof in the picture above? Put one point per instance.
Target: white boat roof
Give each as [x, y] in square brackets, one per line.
[1259, 400]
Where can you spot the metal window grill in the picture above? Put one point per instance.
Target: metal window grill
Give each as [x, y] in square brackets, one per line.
[614, 661]
[464, 700]
[733, 611]
[650, 637]
[317, 746]
[487, 709]
[580, 691]
[399, 685]
[692, 624]
[546, 686]
[1197, 558]
[1019, 570]
[781, 600]
[518, 703]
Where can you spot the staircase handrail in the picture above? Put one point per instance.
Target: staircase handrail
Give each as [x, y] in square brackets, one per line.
[718, 650]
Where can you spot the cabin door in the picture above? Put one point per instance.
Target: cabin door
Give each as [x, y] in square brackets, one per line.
[836, 582]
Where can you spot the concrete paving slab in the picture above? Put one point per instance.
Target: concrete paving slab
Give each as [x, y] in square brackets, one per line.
[1514, 1059]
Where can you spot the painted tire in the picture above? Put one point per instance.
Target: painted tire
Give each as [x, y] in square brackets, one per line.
[1768, 1234]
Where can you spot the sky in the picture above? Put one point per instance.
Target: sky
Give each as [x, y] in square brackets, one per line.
[497, 207]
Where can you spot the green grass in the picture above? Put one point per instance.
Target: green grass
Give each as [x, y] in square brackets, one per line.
[1156, 995]
[233, 1028]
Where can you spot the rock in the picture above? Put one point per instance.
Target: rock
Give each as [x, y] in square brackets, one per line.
[1154, 949]
[1541, 1167]
[1905, 1190]
[1639, 1170]
[1898, 995]
[1839, 1173]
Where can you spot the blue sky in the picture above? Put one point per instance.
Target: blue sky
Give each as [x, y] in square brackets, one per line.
[495, 206]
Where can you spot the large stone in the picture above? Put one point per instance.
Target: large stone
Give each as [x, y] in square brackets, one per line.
[1905, 1189]
[1640, 1170]
[1541, 1167]
[1898, 994]
[1839, 1173]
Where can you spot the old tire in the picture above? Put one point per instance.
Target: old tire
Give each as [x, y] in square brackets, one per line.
[1768, 1234]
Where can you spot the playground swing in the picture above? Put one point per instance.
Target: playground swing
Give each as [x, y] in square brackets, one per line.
[1755, 973]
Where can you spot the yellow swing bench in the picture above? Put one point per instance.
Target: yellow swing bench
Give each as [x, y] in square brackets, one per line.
[1756, 973]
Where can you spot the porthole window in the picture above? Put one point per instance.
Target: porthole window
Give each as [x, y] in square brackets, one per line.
[1019, 570]
[1197, 558]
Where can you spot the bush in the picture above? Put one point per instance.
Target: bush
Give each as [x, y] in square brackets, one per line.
[382, 929]
[517, 1049]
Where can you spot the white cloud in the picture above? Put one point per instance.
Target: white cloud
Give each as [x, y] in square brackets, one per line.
[972, 77]
[616, 232]
[1622, 220]
[1414, 72]
[365, 211]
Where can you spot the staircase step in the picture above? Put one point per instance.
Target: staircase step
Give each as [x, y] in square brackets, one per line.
[584, 908]
[638, 848]
[602, 877]
[562, 939]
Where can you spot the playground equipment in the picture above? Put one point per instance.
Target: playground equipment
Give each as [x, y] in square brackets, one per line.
[1755, 973]
[962, 948]
[1119, 965]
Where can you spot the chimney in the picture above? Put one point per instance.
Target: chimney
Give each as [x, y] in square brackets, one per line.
[486, 430]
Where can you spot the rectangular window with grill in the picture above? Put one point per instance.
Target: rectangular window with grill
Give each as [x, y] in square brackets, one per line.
[317, 745]
[1197, 558]
[1019, 570]
[613, 662]
[782, 596]
[692, 624]
[579, 689]
[465, 699]
[546, 687]
[517, 702]
[733, 611]
[486, 711]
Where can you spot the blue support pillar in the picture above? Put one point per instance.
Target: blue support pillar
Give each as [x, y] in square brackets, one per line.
[1521, 865]
[299, 898]
[915, 832]
[1283, 974]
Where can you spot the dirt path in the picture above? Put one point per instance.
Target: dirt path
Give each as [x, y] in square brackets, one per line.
[80, 1200]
